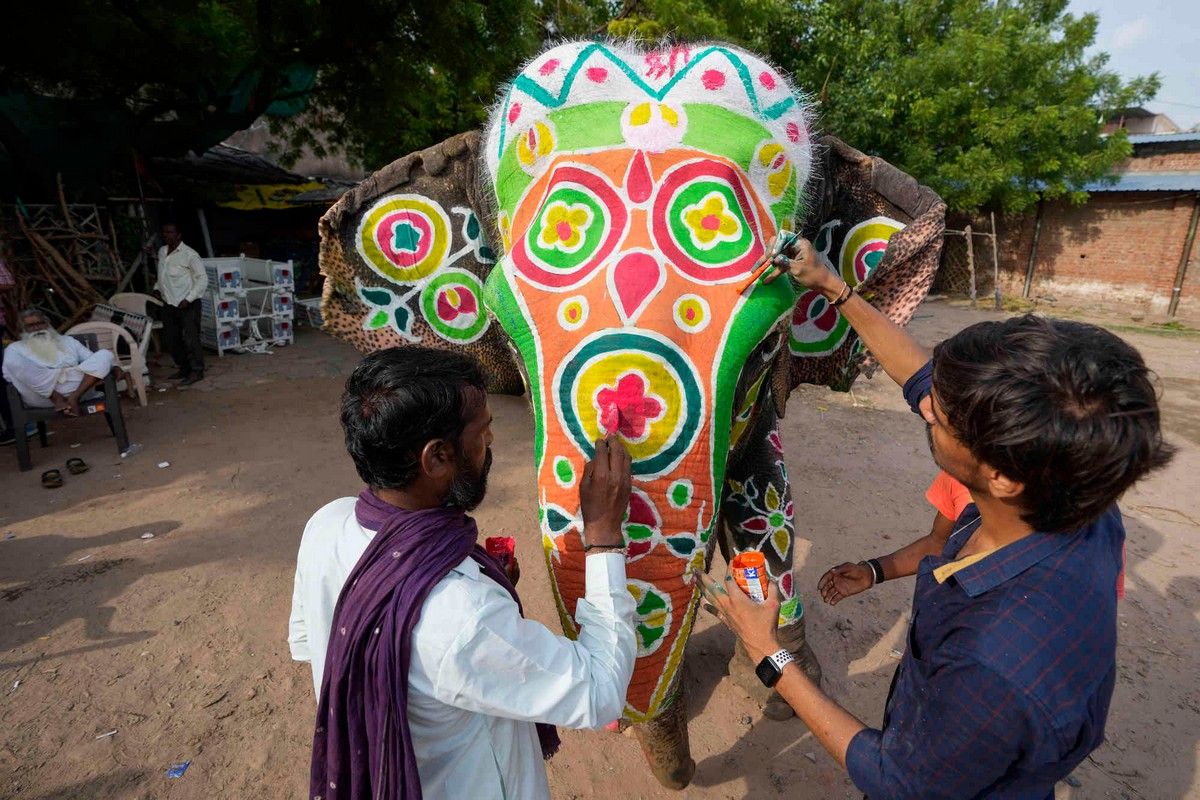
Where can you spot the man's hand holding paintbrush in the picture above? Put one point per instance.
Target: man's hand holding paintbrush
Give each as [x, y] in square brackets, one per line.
[794, 254]
[896, 351]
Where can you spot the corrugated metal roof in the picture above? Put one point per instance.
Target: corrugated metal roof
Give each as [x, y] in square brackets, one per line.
[1163, 138]
[1149, 182]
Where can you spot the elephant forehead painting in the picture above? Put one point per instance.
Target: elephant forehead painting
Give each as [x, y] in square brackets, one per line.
[631, 202]
[589, 247]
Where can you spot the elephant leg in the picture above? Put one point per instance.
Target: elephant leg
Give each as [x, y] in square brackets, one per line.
[794, 639]
[758, 515]
[664, 741]
[741, 671]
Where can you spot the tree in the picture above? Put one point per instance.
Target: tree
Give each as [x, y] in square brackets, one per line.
[991, 102]
[436, 75]
[90, 79]
[987, 101]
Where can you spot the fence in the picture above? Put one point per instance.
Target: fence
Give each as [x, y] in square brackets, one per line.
[969, 265]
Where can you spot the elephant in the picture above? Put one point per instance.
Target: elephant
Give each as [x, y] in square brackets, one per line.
[592, 247]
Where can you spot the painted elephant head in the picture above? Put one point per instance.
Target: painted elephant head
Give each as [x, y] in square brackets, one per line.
[630, 209]
[630, 192]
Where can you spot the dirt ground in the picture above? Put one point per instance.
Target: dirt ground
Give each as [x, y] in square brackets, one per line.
[178, 642]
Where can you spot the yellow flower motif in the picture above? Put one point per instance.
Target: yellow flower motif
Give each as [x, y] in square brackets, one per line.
[564, 226]
[779, 168]
[711, 221]
[655, 619]
[535, 143]
[505, 232]
[642, 114]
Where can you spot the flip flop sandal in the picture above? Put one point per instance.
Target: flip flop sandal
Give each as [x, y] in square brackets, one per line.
[76, 466]
[52, 479]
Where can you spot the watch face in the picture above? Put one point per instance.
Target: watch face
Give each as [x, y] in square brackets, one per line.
[767, 672]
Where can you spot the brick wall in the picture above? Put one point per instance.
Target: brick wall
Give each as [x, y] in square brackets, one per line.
[1118, 253]
[1162, 162]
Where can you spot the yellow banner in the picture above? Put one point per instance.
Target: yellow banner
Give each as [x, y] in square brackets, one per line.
[259, 196]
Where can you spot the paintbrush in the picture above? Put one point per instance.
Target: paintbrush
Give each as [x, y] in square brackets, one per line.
[762, 268]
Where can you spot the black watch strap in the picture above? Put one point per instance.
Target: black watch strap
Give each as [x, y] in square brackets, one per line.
[770, 669]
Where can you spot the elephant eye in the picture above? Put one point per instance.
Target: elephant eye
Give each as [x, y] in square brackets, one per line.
[704, 222]
[579, 222]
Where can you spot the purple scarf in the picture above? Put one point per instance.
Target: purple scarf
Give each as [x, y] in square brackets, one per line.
[362, 747]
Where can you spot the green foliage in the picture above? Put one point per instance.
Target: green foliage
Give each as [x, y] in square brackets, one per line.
[987, 101]
[381, 77]
[432, 74]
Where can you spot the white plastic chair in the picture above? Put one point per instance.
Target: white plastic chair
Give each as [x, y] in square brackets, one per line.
[136, 303]
[107, 335]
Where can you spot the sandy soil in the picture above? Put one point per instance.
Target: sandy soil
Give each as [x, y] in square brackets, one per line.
[178, 642]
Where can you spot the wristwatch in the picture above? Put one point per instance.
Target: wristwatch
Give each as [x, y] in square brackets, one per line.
[770, 669]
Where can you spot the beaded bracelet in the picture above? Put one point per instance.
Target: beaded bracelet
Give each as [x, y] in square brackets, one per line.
[843, 296]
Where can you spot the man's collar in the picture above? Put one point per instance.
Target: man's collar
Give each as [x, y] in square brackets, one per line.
[468, 568]
[1009, 561]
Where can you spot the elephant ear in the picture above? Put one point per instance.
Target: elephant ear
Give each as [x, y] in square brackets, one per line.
[882, 232]
[405, 255]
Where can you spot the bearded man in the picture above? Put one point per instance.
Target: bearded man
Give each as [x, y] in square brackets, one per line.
[430, 681]
[51, 370]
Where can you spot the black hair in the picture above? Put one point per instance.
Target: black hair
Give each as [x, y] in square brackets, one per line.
[1067, 409]
[399, 399]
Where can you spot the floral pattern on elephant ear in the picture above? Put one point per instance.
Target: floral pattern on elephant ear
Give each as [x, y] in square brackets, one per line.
[882, 233]
[405, 255]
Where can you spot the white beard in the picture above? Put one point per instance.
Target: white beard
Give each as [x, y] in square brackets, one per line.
[47, 346]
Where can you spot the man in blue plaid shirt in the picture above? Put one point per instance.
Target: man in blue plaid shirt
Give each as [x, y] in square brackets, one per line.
[1005, 683]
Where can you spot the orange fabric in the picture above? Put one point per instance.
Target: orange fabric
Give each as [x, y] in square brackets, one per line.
[1121, 576]
[948, 496]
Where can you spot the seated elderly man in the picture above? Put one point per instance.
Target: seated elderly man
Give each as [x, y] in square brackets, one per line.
[52, 370]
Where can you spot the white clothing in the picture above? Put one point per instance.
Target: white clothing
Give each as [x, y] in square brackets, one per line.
[480, 674]
[36, 379]
[181, 275]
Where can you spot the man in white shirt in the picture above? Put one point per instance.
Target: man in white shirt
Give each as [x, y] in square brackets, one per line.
[181, 283]
[51, 370]
[482, 681]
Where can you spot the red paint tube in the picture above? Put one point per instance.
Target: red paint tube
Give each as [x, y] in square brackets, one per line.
[502, 548]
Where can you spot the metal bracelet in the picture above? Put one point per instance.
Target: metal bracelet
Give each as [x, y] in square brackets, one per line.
[614, 547]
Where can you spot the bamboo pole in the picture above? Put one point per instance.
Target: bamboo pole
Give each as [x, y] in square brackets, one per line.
[995, 265]
[62, 202]
[64, 266]
[53, 291]
[115, 246]
[970, 261]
